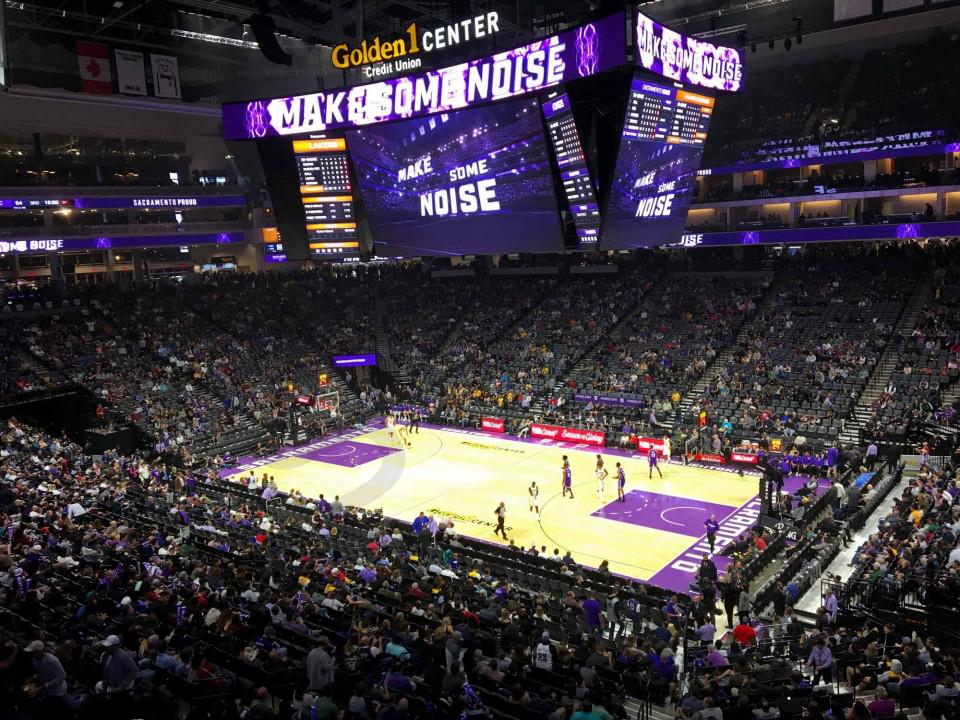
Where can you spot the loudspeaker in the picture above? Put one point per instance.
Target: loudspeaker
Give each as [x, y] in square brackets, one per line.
[263, 28]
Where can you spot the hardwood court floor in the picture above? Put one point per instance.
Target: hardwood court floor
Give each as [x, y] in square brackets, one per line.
[464, 476]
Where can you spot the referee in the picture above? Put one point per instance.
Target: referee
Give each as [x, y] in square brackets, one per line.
[501, 517]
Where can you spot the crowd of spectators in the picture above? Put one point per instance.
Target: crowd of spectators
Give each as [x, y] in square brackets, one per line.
[806, 360]
[914, 554]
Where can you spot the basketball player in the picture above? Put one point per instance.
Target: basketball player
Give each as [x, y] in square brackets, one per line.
[390, 425]
[534, 497]
[501, 512]
[567, 478]
[601, 476]
[621, 483]
[403, 433]
[415, 421]
[652, 461]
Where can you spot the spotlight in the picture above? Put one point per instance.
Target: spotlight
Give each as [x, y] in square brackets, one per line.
[772, 44]
[787, 44]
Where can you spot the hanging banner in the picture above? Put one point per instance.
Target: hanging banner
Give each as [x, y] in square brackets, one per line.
[166, 76]
[131, 78]
[93, 61]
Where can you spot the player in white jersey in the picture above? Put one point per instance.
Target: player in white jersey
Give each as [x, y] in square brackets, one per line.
[403, 433]
[391, 422]
[601, 476]
[533, 493]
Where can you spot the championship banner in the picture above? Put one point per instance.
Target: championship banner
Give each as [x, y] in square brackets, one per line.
[744, 457]
[491, 424]
[576, 53]
[131, 78]
[573, 435]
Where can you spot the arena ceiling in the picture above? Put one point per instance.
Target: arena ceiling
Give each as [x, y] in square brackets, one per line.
[171, 23]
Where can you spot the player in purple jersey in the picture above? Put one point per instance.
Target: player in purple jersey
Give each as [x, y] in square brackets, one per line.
[621, 483]
[567, 478]
[652, 461]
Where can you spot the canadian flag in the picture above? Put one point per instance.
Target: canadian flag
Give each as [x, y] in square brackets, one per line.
[93, 60]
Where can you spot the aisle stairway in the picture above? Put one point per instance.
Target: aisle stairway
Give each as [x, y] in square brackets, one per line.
[729, 354]
[887, 364]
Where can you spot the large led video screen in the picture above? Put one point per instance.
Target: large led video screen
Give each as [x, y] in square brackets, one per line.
[471, 182]
[660, 148]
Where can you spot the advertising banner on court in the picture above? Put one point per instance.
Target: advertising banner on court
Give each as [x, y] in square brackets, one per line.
[709, 458]
[573, 435]
[661, 445]
[744, 457]
[491, 424]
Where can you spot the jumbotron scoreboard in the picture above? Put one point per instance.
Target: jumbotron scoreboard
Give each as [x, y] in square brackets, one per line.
[485, 156]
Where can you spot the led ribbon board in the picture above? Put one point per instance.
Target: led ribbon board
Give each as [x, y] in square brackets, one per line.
[572, 54]
[364, 360]
[686, 59]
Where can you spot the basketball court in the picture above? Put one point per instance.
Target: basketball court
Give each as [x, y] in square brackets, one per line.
[657, 534]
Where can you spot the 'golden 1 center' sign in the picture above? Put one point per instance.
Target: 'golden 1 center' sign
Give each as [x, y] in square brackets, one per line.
[377, 56]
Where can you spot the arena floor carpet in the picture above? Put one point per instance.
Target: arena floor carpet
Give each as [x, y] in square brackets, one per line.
[656, 535]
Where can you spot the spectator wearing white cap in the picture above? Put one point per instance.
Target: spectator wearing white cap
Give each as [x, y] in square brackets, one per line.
[119, 668]
[50, 675]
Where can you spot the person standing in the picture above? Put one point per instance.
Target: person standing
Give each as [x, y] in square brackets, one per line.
[533, 493]
[567, 478]
[712, 528]
[119, 668]
[415, 421]
[601, 477]
[821, 662]
[652, 461]
[731, 597]
[501, 512]
[593, 615]
[621, 483]
[870, 459]
[320, 665]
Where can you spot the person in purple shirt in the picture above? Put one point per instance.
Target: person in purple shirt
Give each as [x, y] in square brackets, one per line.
[831, 605]
[821, 662]
[833, 454]
[712, 528]
[652, 462]
[716, 658]
[593, 614]
[567, 478]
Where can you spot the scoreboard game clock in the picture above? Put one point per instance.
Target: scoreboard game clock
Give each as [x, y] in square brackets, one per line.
[578, 188]
[664, 130]
[326, 193]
